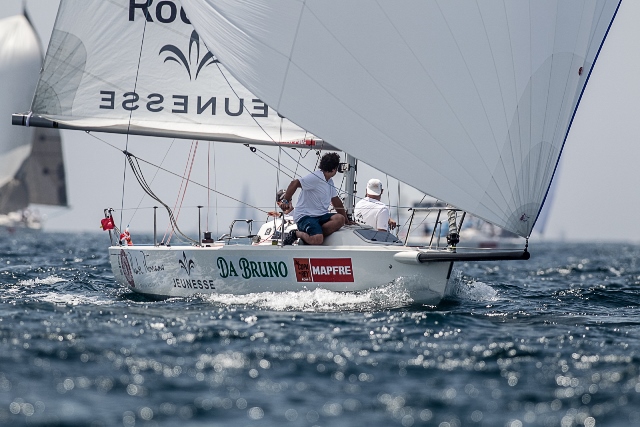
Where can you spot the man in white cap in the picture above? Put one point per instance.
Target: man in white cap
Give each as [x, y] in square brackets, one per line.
[371, 211]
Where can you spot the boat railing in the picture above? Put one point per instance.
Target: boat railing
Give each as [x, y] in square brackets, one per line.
[453, 236]
[228, 237]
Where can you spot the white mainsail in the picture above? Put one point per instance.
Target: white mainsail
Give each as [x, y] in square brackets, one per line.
[122, 66]
[20, 61]
[468, 101]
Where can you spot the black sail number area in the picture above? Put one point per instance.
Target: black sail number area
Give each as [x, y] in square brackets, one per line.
[183, 104]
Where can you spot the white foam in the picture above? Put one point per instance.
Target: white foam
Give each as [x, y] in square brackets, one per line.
[50, 280]
[319, 300]
[70, 299]
[471, 290]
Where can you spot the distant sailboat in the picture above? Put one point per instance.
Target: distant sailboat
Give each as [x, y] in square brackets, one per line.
[31, 165]
[469, 102]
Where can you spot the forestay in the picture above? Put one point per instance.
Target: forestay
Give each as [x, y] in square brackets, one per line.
[123, 66]
[468, 101]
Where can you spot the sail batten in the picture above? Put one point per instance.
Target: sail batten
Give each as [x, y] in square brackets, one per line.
[476, 96]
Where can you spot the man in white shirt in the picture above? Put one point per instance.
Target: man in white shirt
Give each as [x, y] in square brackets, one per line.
[371, 211]
[312, 212]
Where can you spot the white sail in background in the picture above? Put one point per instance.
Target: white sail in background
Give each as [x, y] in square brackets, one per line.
[31, 163]
[20, 61]
[119, 66]
[468, 101]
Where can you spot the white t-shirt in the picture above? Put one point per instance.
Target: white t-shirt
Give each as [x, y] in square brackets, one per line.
[315, 197]
[372, 212]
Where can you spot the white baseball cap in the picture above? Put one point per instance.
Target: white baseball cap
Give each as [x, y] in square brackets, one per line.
[374, 187]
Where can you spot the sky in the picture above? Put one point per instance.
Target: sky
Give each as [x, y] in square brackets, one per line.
[597, 196]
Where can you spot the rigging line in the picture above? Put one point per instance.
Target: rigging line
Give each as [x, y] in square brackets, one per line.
[208, 182]
[271, 160]
[398, 210]
[277, 143]
[388, 196]
[178, 175]
[277, 199]
[243, 106]
[153, 179]
[300, 157]
[408, 219]
[137, 171]
[167, 233]
[388, 193]
[192, 157]
[285, 152]
[215, 183]
[135, 86]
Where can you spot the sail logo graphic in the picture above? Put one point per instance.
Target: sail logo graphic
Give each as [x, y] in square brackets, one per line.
[191, 95]
[323, 269]
[188, 265]
[166, 11]
[173, 53]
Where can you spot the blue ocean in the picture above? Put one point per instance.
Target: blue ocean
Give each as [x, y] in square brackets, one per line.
[553, 341]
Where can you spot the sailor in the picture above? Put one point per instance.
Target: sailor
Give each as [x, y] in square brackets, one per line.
[273, 227]
[312, 212]
[371, 211]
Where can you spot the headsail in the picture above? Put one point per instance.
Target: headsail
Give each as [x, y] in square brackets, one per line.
[468, 101]
[128, 67]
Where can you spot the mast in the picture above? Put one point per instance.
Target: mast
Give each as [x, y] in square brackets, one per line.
[350, 184]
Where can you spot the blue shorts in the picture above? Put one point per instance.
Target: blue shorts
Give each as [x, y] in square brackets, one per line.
[312, 225]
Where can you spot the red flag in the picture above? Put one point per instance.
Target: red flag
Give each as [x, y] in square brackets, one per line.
[107, 223]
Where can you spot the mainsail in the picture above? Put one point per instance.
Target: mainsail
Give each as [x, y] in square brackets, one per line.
[468, 101]
[141, 68]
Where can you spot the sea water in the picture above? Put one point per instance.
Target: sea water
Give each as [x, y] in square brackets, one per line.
[553, 341]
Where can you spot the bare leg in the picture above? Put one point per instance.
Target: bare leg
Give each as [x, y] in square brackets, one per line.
[316, 239]
[333, 225]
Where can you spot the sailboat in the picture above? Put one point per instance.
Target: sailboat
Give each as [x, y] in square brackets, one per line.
[31, 165]
[469, 102]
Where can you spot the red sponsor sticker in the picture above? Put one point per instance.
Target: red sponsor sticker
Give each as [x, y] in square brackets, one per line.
[323, 269]
[303, 269]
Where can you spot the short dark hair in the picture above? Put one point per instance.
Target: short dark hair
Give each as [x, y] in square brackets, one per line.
[329, 162]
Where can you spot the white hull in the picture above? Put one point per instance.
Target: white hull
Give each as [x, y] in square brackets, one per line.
[350, 264]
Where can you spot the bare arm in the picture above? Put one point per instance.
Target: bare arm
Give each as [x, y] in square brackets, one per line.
[339, 207]
[291, 190]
